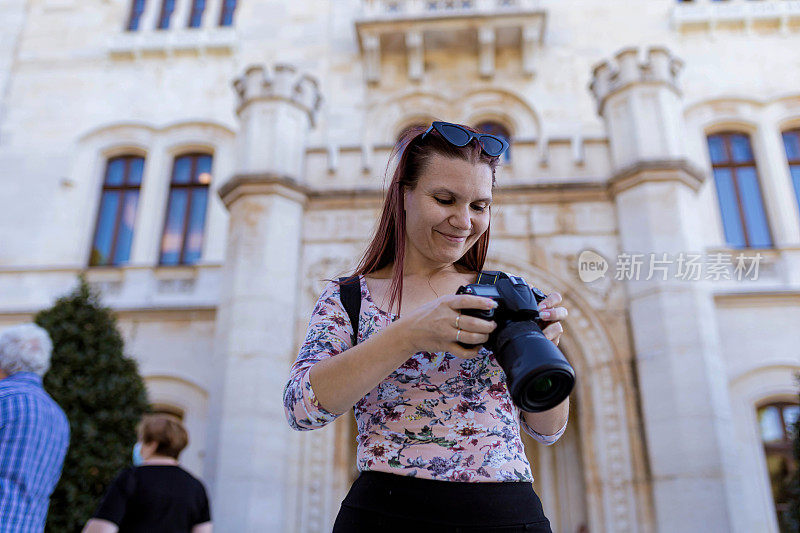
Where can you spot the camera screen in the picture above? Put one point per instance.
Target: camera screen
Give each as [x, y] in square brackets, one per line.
[483, 290]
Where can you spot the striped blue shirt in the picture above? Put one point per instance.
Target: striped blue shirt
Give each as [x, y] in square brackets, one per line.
[34, 436]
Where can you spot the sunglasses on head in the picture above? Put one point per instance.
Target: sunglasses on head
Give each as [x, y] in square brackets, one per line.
[459, 136]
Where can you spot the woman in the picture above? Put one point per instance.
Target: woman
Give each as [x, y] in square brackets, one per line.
[155, 495]
[438, 436]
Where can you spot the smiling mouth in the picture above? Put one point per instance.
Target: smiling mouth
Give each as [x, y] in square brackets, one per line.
[452, 238]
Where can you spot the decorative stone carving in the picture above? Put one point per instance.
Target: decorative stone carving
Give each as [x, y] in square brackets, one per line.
[276, 108]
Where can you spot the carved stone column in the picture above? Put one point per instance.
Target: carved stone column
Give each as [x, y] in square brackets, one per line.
[683, 384]
[256, 317]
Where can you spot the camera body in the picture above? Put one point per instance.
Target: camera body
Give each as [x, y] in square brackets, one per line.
[538, 375]
[518, 304]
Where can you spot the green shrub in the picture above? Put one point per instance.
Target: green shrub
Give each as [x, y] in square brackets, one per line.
[103, 396]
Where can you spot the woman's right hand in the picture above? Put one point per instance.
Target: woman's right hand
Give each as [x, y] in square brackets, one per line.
[433, 327]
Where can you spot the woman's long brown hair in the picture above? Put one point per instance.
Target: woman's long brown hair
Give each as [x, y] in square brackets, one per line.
[389, 241]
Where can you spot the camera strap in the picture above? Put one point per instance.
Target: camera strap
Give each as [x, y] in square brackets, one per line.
[350, 295]
[488, 277]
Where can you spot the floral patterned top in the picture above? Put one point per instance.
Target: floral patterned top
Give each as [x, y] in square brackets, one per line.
[436, 417]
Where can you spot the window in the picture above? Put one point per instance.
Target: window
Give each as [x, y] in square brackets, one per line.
[115, 220]
[738, 191]
[137, 8]
[196, 16]
[182, 241]
[776, 423]
[167, 7]
[226, 16]
[791, 141]
[497, 129]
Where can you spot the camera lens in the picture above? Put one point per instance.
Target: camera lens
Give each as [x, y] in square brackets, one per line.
[540, 385]
[539, 377]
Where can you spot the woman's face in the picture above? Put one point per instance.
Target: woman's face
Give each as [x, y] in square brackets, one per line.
[447, 211]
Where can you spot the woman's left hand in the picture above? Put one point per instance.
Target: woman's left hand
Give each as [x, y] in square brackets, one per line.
[551, 312]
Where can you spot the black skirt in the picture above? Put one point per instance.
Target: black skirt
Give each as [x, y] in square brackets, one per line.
[383, 502]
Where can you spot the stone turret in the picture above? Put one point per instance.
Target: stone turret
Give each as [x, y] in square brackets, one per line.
[641, 103]
[276, 109]
[256, 317]
[683, 383]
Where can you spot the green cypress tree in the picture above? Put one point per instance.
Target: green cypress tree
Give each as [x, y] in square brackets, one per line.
[103, 396]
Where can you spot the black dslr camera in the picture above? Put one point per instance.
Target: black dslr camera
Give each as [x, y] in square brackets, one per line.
[538, 375]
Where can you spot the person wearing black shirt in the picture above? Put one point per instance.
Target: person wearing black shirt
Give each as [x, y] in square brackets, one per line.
[155, 495]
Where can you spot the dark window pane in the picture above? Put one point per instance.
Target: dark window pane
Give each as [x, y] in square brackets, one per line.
[197, 217]
[795, 170]
[173, 230]
[182, 171]
[769, 418]
[228, 8]
[104, 234]
[729, 207]
[790, 414]
[167, 6]
[137, 8]
[196, 16]
[125, 231]
[203, 170]
[716, 148]
[115, 172]
[791, 140]
[755, 218]
[740, 148]
[135, 171]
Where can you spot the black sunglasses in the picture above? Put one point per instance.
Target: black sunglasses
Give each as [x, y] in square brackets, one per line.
[459, 136]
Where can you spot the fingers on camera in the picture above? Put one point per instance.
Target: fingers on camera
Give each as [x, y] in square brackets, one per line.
[469, 301]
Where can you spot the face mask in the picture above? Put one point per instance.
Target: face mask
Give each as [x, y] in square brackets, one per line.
[137, 454]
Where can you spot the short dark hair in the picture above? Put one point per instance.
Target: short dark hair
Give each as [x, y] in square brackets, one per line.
[167, 431]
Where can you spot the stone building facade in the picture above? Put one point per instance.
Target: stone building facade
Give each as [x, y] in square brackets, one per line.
[209, 164]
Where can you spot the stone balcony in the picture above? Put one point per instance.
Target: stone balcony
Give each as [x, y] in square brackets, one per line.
[763, 16]
[414, 26]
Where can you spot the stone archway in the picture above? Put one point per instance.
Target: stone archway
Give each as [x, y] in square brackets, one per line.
[613, 449]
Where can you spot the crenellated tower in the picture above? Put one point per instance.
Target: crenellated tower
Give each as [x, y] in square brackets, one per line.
[255, 340]
[276, 109]
[683, 383]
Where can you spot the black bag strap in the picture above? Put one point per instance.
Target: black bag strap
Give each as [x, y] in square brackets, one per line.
[350, 295]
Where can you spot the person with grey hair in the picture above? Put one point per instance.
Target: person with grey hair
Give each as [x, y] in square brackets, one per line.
[34, 431]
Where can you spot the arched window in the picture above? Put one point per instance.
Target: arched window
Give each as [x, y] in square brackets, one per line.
[776, 422]
[226, 15]
[137, 8]
[791, 141]
[739, 193]
[117, 214]
[196, 15]
[167, 7]
[495, 128]
[182, 241]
